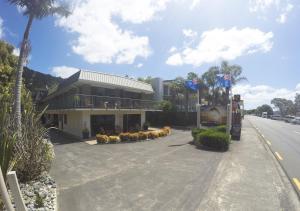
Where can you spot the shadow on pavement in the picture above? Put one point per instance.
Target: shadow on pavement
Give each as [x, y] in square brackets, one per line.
[58, 137]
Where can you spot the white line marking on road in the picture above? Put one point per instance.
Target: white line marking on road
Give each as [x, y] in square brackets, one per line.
[263, 135]
[297, 132]
[269, 143]
[278, 156]
[297, 183]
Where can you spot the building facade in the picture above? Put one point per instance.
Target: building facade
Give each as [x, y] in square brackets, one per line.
[93, 102]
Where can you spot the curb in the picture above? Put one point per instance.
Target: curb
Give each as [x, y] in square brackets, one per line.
[283, 173]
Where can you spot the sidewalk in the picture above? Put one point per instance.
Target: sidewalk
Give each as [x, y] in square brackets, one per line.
[250, 178]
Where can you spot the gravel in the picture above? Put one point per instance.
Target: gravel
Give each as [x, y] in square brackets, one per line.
[43, 188]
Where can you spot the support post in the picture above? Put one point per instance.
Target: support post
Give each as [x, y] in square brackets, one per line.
[229, 117]
[198, 107]
[4, 193]
[16, 192]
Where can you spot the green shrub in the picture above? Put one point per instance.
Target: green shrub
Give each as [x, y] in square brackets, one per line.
[213, 139]
[196, 131]
[221, 128]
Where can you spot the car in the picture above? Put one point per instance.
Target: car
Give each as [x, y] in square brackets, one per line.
[288, 118]
[296, 121]
[276, 117]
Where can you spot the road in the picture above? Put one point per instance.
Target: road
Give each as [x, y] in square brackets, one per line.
[284, 141]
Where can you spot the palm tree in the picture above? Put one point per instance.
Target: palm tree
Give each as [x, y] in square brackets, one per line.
[34, 9]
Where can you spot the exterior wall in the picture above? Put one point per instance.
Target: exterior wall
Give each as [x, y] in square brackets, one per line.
[157, 85]
[77, 120]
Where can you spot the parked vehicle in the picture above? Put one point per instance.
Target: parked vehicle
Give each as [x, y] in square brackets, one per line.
[296, 121]
[264, 115]
[288, 118]
[276, 117]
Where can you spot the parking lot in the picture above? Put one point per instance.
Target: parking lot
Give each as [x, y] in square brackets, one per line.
[164, 174]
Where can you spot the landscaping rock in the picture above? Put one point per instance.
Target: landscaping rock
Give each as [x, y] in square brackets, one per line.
[45, 188]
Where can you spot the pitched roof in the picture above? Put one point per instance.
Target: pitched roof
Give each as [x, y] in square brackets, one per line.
[102, 79]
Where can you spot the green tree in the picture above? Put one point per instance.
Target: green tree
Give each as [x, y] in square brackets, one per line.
[34, 9]
[8, 64]
[264, 108]
[216, 94]
[286, 107]
[147, 80]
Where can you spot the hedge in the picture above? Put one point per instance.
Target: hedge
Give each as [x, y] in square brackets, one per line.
[213, 139]
[195, 131]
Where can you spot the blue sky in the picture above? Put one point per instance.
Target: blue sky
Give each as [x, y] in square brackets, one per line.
[169, 38]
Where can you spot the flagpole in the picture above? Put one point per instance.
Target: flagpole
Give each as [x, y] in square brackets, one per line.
[198, 107]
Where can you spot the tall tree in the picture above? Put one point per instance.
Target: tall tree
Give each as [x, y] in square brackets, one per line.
[286, 107]
[33, 9]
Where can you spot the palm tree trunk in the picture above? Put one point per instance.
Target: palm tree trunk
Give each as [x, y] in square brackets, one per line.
[19, 73]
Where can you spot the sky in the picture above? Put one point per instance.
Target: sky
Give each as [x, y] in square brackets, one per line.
[169, 38]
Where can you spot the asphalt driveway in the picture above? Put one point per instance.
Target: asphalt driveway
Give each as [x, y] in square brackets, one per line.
[164, 174]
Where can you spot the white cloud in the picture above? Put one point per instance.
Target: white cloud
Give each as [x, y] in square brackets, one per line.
[21, 9]
[279, 7]
[283, 16]
[16, 52]
[64, 71]
[1, 29]
[100, 38]
[194, 4]
[255, 96]
[139, 65]
[189, 33]
[172, 49]
[221, 44]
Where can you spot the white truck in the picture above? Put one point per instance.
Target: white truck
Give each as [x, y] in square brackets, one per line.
[264, 115]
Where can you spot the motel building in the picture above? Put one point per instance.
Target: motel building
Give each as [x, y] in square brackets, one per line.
[94, 101]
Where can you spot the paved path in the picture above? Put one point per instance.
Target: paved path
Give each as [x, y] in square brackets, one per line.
[165, 174]
[250, 178]
[284, 141]
[171, 174]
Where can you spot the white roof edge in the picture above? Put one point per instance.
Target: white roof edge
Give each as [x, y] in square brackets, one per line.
[115, 75]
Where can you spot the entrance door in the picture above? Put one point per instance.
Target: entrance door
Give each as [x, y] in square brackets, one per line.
[131, 122]
[107, 122]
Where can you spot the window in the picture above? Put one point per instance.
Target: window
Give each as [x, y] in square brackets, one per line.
[65, 119]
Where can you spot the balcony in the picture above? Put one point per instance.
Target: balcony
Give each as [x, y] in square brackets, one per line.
[101, 102]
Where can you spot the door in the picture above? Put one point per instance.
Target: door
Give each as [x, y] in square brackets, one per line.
[105, 122]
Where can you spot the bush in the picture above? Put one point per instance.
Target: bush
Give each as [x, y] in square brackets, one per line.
[167, 129]
[162, 133]
[133, 136]
[221, 128]
[213, 139]
[153, 134]
[143, 135]
[37, 150]
[113, 139]
[124, 136]
[196, 131]
[102, 139]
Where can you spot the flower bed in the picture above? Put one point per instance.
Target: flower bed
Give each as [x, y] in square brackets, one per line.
[133, 137]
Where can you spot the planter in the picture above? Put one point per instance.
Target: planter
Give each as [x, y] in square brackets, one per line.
[85, 135]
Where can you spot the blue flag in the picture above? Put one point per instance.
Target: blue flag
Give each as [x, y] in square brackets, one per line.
[192, 84]
[224, 81]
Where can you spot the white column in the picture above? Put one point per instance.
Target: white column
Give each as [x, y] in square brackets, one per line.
[4, 193]
[15, 189]
[86, 120]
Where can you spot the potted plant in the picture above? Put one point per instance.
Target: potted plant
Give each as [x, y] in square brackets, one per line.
[85, 133]
[146, 126]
